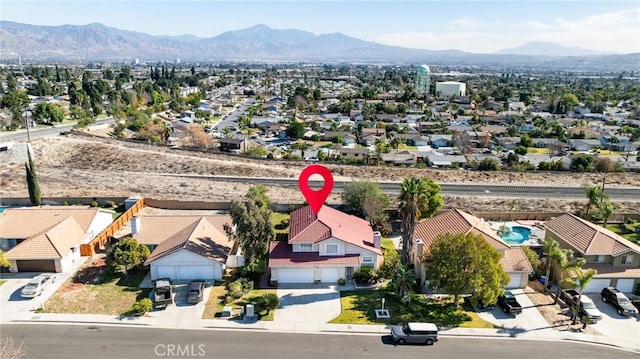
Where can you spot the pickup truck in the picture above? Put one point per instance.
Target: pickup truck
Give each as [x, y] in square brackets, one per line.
[509, 304]
[586, 306]
[162, 293]
[616, 298]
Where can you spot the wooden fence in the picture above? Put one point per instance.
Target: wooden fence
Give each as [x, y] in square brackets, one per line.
[89, 249]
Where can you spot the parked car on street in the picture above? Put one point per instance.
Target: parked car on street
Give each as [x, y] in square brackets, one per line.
[420, 333]
[36, 285]
[616, 298]
[196, 288]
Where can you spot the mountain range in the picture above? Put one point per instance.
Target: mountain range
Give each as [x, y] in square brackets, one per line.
[97, 42]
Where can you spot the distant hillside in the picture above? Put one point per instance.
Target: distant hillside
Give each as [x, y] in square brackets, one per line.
[549, 49]
[97, 42]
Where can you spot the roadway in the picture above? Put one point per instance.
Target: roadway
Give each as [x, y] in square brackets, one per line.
[231, 119]
[95, 341]
[21, 135]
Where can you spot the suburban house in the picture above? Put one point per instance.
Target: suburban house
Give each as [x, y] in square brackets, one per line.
[514, 262]
[438, 141]
[399, 158]
[354, 153]
[616, 259]
[584, 145]
[184, 248]
[324, 247]
[48, 239]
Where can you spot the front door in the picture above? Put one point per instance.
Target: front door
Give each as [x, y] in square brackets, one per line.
[348, 273]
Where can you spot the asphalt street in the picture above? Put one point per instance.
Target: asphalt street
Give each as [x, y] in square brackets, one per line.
[45, 131]
[231, 120]
[92, 341]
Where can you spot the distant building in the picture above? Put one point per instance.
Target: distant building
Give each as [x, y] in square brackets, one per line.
[423, 79]
[451, 88]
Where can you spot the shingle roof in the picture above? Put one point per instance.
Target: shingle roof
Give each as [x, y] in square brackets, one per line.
[588, 238]
[199, 237]
[455, 221]
[514, 260]
[307, 227]
[53, 242]
[156, 229]
[280, 255]
[26, 222]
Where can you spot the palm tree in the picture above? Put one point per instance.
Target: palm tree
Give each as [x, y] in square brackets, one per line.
[594, 195]
[581, 281]
[403, 282]
[566, 262]
[412, 194]
[550, 248]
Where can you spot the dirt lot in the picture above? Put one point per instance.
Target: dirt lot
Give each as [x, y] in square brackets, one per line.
[79, 166]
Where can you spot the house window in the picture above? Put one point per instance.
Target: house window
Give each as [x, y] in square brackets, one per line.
[306, 247]
[367, 260]
[332, 248]
[598, 259]
[626, 260]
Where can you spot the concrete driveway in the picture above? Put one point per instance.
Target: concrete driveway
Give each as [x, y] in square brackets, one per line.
[614, 325]
[307, 303]
[180, 307]
[529, 319]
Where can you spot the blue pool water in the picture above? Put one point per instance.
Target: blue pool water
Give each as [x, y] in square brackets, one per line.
[517, 235]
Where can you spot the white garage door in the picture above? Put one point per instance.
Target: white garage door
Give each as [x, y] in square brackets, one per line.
[625, 285]
[596, 285]
[514, 280]
[330, 275]
[166, 272]
[295, 275]
[196, 272]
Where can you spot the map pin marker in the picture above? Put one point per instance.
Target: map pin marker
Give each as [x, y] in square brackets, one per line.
[315, 198]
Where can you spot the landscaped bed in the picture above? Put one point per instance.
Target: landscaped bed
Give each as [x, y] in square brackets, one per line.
[217, 301]
[94, 290]
[358, 308]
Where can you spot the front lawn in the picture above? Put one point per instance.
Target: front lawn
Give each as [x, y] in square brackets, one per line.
[358, 308]
[216, 302]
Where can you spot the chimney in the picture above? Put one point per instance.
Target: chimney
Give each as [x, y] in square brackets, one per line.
[419, 248]
[377, 238]
[135, 225]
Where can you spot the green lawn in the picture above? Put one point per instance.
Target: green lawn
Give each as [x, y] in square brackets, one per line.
[281, 230]
[358, 308]
[537, 150]
[216, 302]
[407, 147]
[627, 231]
[2, 281]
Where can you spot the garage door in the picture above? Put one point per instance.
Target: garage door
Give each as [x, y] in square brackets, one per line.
[514, 280]
[166, 272]
[596, 285]
[330, 275]
[195, 272]
[297, 275]
[44, 265]
[625, 285]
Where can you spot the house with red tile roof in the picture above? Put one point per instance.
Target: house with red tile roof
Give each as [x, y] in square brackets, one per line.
[324, 247]
[616, 259]
[184, 248]
[514, 262]
[48, 238]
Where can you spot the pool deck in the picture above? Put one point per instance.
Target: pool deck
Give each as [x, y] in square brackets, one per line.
[537, 232]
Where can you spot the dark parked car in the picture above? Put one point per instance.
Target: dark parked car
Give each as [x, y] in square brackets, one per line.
[195, 291]
[509, 304]
[619, 300]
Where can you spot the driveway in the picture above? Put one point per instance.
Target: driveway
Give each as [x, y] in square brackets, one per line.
[529, 319]
[307, 303]
[181, 308]
[614, 325]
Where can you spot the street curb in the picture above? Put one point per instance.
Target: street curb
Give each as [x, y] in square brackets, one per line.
[77, 322]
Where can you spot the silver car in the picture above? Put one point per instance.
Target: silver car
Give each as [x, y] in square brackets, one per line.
[421, 333]
[36, 285]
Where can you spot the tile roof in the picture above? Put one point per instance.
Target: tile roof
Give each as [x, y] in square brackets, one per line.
[606, 270]
[199, 237]
[26, 222]
[280, 255]
[156, 229]
[307, 227]
[454, 222]
[514, 260]
[588, 238]
[53, 242]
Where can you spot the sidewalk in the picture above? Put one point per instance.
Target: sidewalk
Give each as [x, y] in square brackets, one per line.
[305, 327]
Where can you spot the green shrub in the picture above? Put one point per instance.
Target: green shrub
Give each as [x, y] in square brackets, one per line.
[110, 204]
[235, 289]
[342, 281]
[141, 307]
[268, 301]
[365, 275]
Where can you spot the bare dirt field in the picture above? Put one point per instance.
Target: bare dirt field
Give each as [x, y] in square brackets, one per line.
[84, 166]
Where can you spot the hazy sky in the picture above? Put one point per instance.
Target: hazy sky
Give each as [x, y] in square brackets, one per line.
[475, 26]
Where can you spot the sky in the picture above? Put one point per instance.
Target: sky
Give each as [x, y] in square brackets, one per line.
[470, 25]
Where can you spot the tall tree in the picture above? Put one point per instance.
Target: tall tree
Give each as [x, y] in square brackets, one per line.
[550, 249]
[419, 198]
[465, 263]
[126, 254]
[365, 200]
[566, 262]
[32, 182]
[403, 281]
[581, 281]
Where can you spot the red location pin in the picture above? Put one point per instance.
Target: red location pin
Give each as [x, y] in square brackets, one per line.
[315, 198]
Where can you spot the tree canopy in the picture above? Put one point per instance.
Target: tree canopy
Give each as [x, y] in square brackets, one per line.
[365, 200]
[465, 264]
[126, 254]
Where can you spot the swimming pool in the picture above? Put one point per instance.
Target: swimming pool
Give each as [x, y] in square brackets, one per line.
[516, 235]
